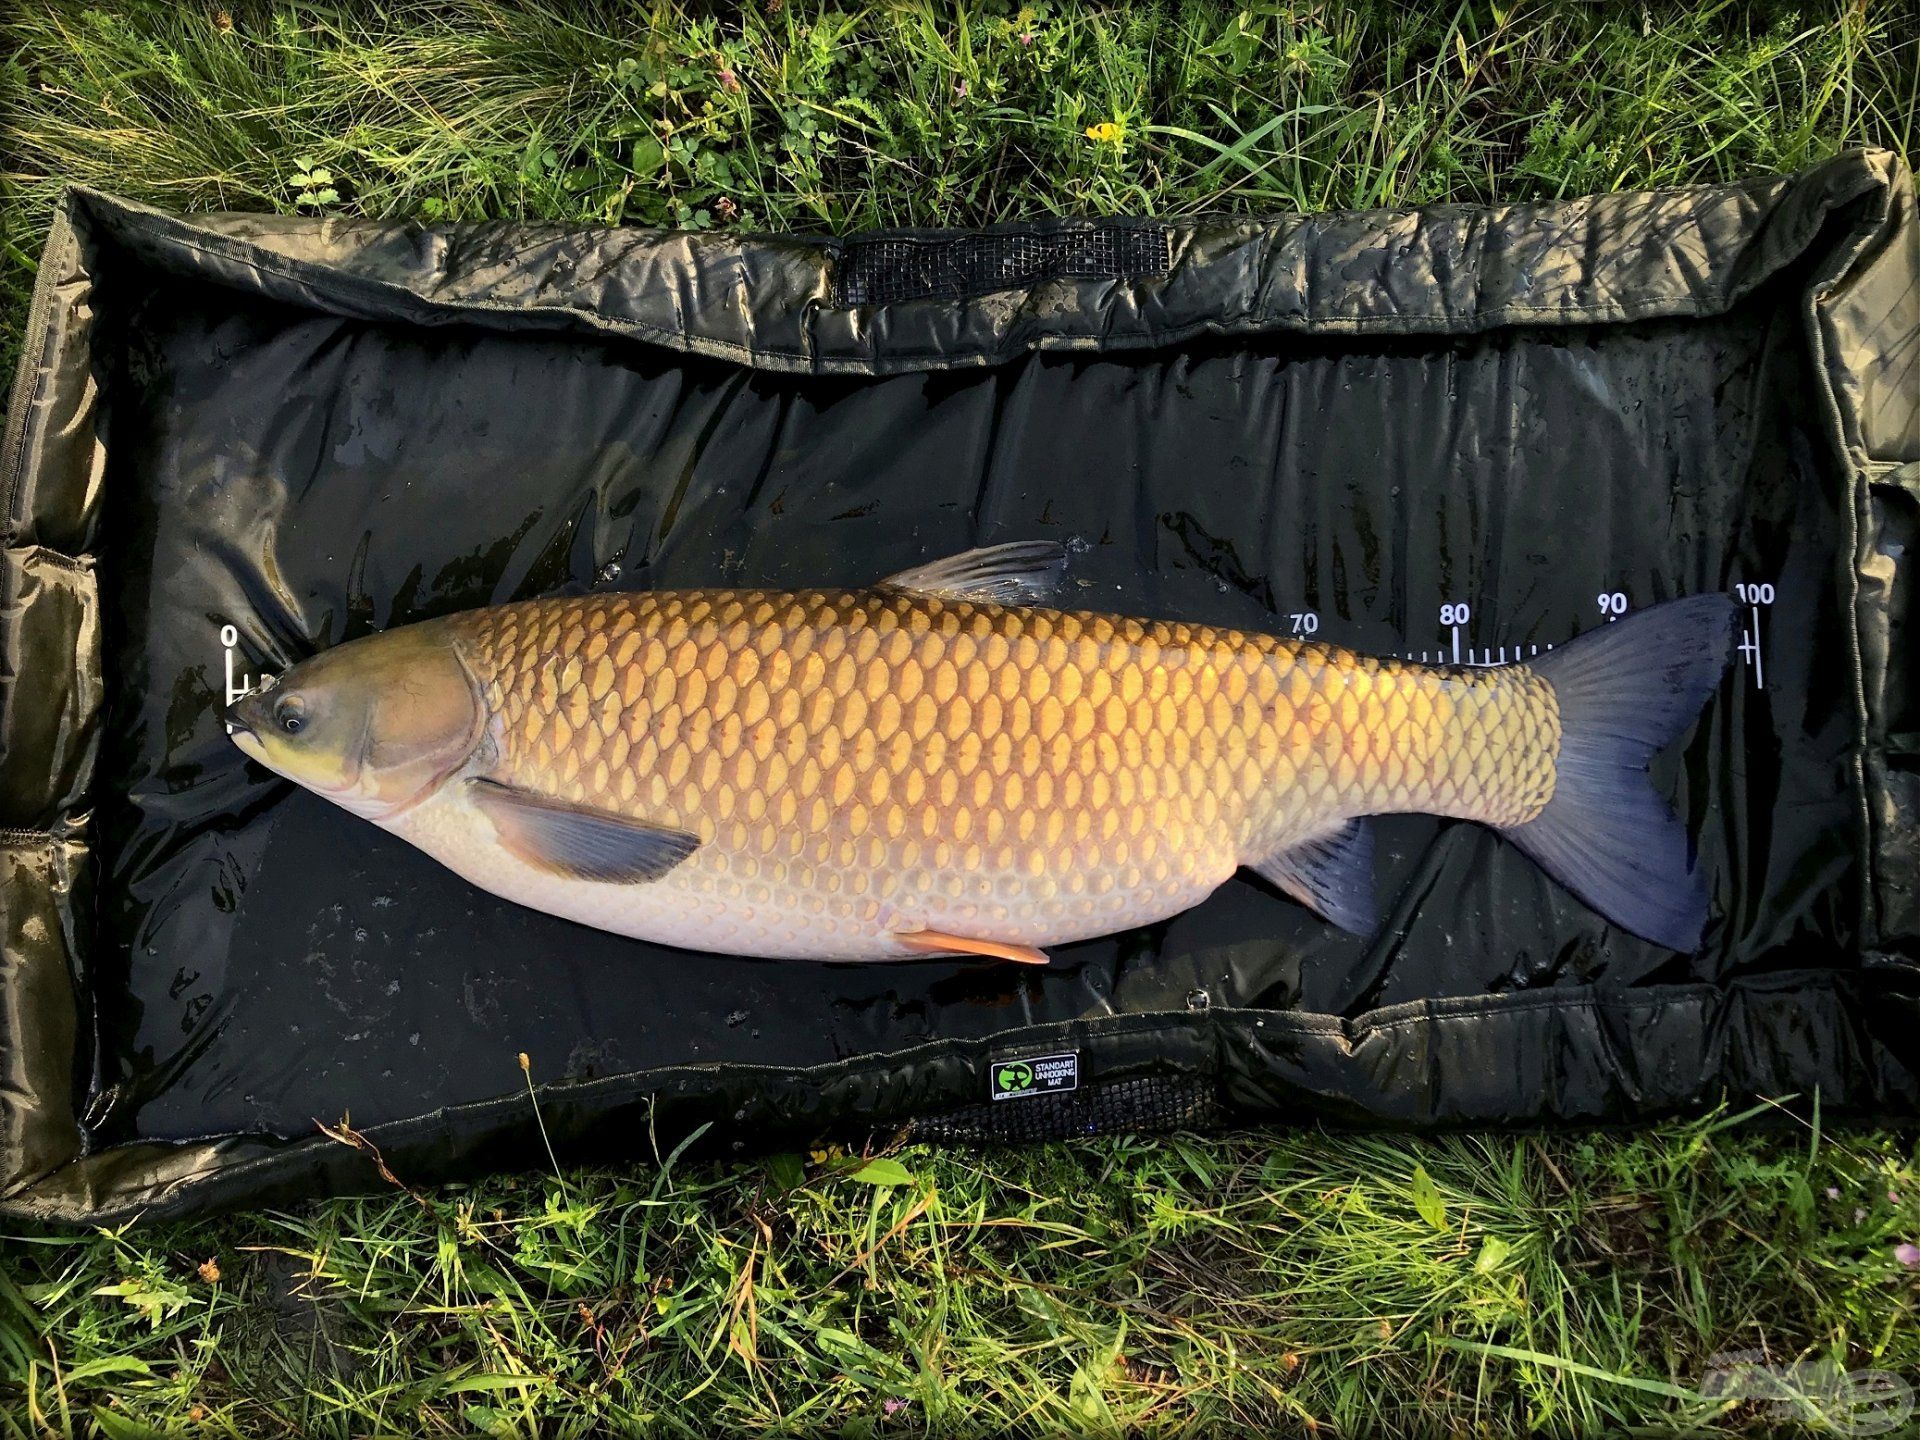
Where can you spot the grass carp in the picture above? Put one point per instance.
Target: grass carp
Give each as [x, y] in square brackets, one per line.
[939, 764]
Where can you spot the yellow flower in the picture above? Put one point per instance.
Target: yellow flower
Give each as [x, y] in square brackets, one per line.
[1107, 132]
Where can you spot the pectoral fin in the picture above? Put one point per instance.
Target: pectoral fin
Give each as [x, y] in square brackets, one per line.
[1023, 572]
[938, 942]
[576, 841]
[1331, 875]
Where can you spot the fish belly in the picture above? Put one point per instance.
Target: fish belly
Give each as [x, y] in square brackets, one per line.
[754, 904]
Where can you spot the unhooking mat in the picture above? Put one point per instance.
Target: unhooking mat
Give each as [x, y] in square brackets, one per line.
[1456, 433]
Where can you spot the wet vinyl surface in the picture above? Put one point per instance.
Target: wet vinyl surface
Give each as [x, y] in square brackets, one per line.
[267, 958]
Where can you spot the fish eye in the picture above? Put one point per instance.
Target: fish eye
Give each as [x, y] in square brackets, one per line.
[290, 715]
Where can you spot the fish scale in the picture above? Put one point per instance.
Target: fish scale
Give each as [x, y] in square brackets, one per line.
[863, 763]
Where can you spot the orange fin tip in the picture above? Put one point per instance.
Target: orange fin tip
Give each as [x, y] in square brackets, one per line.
[939, 942]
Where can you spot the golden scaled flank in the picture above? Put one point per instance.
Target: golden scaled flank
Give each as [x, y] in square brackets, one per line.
[947, 737]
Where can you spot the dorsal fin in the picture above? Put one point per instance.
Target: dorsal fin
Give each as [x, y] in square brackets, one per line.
[1331, 874]
[1022, 572]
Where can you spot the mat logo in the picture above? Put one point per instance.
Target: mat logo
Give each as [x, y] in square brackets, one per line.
[1812, 1392]
[1015, 1079]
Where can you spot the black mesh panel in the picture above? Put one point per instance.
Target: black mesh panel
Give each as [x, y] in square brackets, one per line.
[889, 268]
[1147, 1105]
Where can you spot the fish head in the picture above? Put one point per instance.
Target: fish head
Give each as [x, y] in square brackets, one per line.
[373, 725]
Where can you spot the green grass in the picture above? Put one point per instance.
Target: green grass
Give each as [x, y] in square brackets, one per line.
[1280, 1280]
[1363, 1284]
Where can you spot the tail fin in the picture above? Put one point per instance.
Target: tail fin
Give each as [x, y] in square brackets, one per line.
[1627, 690]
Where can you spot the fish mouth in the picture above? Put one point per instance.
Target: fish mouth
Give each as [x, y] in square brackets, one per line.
[249, 744]
[240, 730]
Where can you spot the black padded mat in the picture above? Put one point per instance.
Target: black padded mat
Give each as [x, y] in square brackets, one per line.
[400, 476]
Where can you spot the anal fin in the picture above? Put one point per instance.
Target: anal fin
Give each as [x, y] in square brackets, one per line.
[939, 942]
[1331, 874]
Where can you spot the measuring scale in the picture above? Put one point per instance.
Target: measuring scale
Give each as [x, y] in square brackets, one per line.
[1454, 617]
[1755, 595]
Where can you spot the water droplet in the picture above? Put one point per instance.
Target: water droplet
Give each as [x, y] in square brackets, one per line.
[736, 1018]
[609, 572]
[414, 1038]
[1198, 999]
